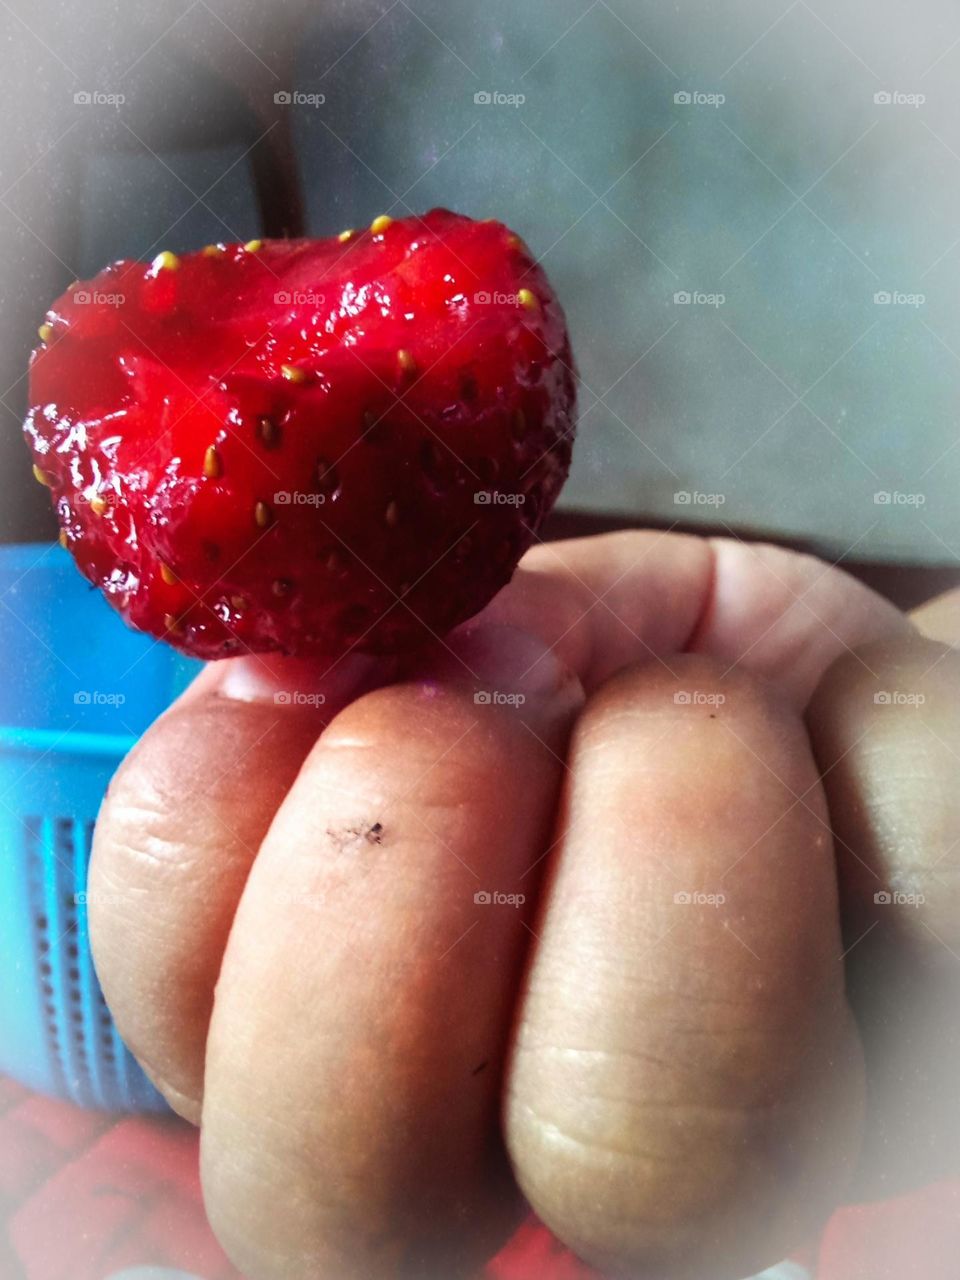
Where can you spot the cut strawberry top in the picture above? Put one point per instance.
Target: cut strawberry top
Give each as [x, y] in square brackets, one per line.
[306, 445]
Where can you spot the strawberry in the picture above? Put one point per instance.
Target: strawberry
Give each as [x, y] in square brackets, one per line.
[306, 445]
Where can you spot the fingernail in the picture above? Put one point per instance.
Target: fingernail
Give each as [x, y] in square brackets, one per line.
[507, 666]
[296, 681]
[517, 659]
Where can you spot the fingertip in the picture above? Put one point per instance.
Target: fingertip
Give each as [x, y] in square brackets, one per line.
[288, 681]
[507, 666]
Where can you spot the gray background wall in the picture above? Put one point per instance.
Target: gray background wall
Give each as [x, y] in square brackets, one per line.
[787, 406]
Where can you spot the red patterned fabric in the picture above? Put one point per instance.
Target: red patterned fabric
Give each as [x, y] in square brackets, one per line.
[85, 1195]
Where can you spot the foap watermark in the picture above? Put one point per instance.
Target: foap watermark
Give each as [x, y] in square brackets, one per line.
[299, 498]
[494, 98]
[295, 698]
[294, 98]
[93, 897]
[98, 98]
[496, 698]
[696, 298]
[97, 298]
[494, 898]
[896, 898]
[298, 298]
[287, 898]
[894, 498]
[98, 698]
[693, 498]
[486, 298]
[497, 498]
[698, 698]
[898, 698]
[897, 98]
[697, 898]
[102, 500]
[698, 98]
[896, 298]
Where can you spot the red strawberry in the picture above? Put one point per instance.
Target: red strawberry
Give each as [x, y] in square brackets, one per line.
[306, 445]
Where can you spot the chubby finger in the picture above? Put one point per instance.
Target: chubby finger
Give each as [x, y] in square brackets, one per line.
[885, 724]
[354, 1064]
[178, 831]
[684, 1092]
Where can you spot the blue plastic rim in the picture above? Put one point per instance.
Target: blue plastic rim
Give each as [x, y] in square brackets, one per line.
[78, 690]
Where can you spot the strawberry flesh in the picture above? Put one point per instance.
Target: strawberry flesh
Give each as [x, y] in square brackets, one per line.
[306, 446]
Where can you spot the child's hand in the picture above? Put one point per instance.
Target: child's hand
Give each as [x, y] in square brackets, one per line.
[452, 949]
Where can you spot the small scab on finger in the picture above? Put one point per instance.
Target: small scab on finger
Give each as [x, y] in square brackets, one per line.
[352, 835]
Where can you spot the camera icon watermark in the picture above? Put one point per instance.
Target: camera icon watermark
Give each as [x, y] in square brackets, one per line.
[289, 898]
[294, 698]
[298, 298]
[897, 298]
[693, 498]
[894, 498]
[698, 98]
[97, 698]
[697, 898]
[90, 897]
[897, 98]
[895, 898]
[497, 498]
[298, 498]
[98, 98]
[102, 500]
[898, 698]
[496, 698]
[484, 298]
[493, 98]
[698, 698]
[294, 98]
[493, 898]
[697, 298]
[97, 298]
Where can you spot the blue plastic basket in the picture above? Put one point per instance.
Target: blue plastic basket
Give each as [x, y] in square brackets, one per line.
[78, 689]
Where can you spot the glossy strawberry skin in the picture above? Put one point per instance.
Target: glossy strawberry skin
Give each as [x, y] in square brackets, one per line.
[306, 446]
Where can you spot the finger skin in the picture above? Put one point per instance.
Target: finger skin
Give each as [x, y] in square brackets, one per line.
[181, 824]
[885, 725]
[610, 600]
[939, 619]
[350, 1123]
[684, 1093]
[787, 616]
[607, 601]
[177, 833]
[175, 853]
[187, 810]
